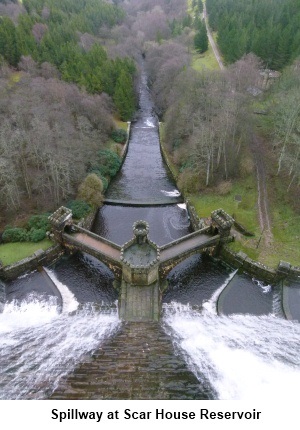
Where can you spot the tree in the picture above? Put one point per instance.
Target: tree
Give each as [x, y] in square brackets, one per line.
[90, 191]
[124, 97]
[8, 42]
[201, 39]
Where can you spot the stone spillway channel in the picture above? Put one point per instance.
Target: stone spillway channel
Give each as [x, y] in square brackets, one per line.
[139, 362]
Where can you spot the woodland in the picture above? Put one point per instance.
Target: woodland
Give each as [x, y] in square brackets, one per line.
[69, 75]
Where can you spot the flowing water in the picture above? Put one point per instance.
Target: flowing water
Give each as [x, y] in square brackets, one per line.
[67, 342]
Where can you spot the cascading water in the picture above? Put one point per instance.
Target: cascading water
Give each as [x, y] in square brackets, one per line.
[248, 352]
[39, 345]
[244, 357]
[2, 296]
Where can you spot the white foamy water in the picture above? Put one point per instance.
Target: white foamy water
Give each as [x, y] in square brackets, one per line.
[265, 288]
[174, 193]
[211, 304]
[38, 345]
[70, 304]
[150, 123]
[243, 357]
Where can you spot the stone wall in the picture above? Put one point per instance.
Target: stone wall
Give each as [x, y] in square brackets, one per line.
[39, 258]
[125, 148]
[166, 160]
[196, 222]
[88, 221]
[239, 259]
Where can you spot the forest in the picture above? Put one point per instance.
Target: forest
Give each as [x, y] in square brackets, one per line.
[268, 28]
[69, 76]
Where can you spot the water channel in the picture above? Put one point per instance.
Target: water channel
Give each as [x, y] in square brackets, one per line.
[83, 350]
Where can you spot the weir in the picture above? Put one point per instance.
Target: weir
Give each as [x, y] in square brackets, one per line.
[140, 265]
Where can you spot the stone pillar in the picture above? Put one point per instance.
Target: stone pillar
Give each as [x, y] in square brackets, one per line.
[221, 223]
[59, 220]
[140, 257]
[140, 294]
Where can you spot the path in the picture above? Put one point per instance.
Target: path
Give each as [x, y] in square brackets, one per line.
[211, 39]
[258, 155]
[98, 245]
[262, 201]
[188, 244]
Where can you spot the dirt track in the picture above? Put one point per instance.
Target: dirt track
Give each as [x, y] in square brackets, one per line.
[258, 156]
[262, 202]
[211, 40]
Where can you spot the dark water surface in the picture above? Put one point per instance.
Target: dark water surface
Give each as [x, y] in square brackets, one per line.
[144, 177]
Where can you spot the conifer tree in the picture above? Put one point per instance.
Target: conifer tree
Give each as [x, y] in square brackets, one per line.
[9, 49]
[201, 39]
[124, 96]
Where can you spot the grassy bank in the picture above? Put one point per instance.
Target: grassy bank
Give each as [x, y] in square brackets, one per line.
[285, 221]
[206, 61]
[12, 252]
[241, 202]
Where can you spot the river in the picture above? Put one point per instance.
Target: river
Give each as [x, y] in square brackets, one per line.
[83, 351]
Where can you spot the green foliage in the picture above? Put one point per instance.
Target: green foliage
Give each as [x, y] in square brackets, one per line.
[91, 69]
[197, 4]
[124, 96]
[79, 208]
[108, 163]
[201, 39]
[268, 28]
[90, 191]
[97, 172]
[9, 48]
[14, 235]
[39, 222]
[119, 135]
[189, 182]
[36, 234]
[34, 231]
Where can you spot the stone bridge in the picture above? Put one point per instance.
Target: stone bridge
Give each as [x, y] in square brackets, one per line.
[140, 266]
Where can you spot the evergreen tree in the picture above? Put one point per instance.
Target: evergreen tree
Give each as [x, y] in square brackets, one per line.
[9, 48]
[268, 28]
[124, 96]
[201, 39]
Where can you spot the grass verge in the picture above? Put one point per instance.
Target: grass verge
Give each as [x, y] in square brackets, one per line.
[206, 61]
[12, 252]
[240, 202]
